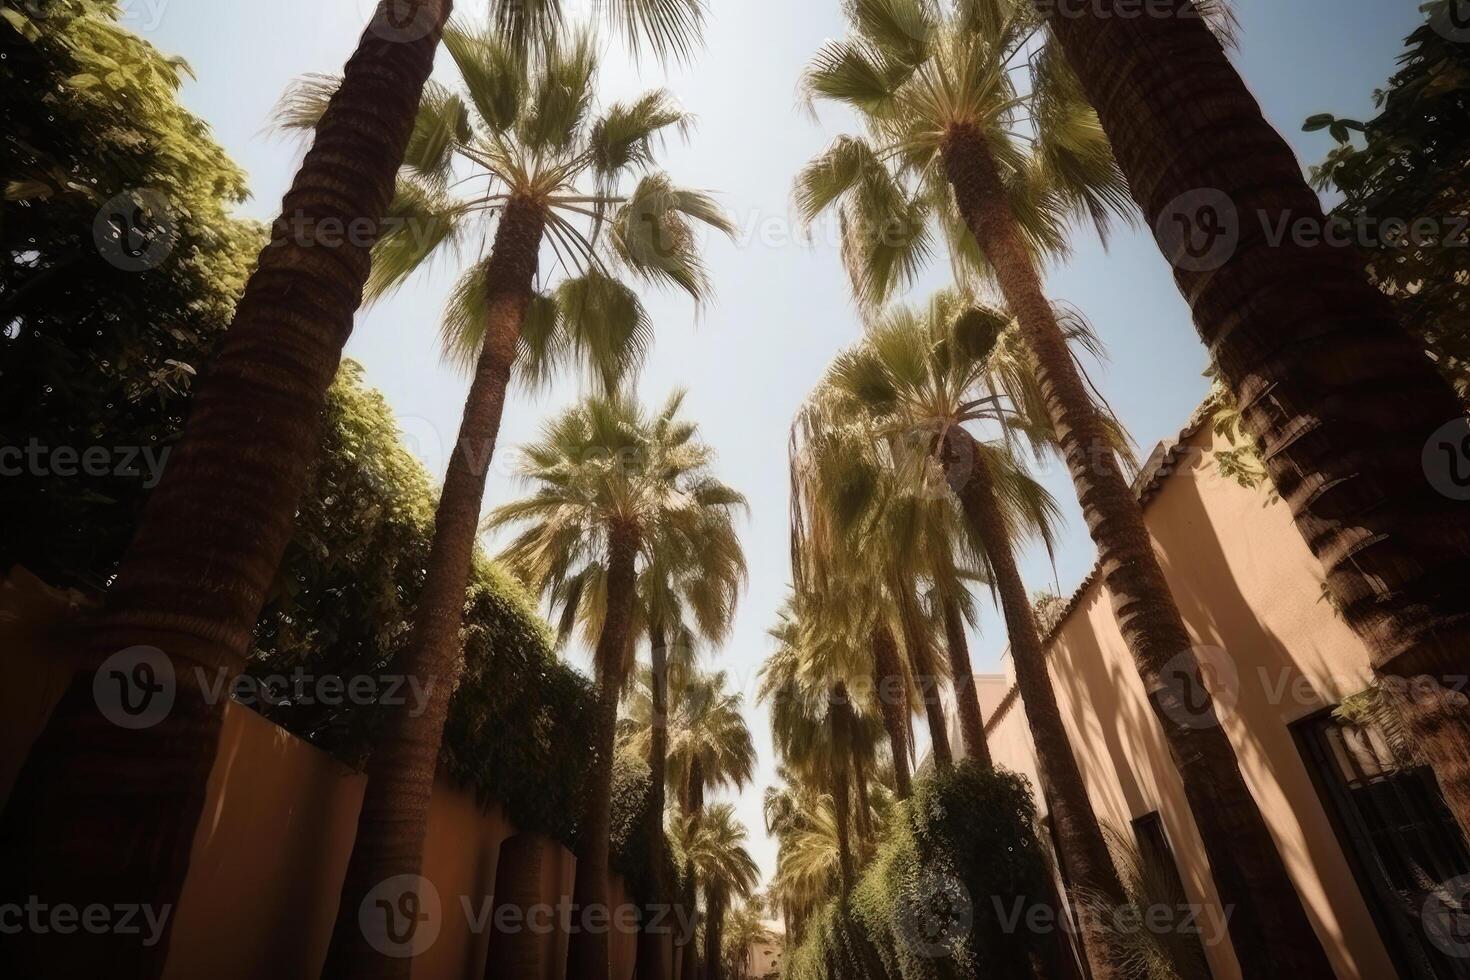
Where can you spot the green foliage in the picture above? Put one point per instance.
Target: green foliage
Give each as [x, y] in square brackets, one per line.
[937, 900]
[1149, 882]
[96, 356]
[521, 720]
[1411, 167]
[629, 844]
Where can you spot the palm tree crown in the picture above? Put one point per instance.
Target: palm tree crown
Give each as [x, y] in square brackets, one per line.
[917, 71]
[531, 134]
[709, 742]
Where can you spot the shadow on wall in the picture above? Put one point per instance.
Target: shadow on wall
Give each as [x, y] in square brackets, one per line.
[1249, 591]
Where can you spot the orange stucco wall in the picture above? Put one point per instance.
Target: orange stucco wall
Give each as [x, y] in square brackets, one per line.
[276, 832]
[1250, 593]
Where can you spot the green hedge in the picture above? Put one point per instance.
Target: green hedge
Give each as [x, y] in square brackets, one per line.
[934, 903]
[519, 729]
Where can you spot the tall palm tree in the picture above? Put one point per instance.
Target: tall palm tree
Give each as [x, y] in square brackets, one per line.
[212, 536]
[714, 845]
[744, 927]
[688, 592]
[697, 739]
[812, 722]
[929, 373]
[974, 125]
[709, 744]
[539, 161]
[1341, 401]
[610, 481]
[853, 534]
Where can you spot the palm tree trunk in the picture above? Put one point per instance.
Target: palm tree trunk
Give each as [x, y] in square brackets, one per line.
[860, 799]
[395, 808]
[1082, 842]
[714, 925]
[694, 789]
[651, 965]
[967, 698]
[1270, 928]
[841, 724]
[588, 956]
[1341, 400]
[893, 704]
[103, 814]
[926, 670]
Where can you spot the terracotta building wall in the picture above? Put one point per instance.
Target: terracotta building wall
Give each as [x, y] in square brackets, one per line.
[276, 833]
[1250, 593]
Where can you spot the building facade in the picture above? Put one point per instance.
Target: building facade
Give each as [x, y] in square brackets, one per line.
[1374, 854]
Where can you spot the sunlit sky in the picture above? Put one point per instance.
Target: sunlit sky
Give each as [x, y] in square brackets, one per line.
[782, 306]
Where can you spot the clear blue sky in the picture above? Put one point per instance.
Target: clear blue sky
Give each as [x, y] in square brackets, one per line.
[782, 309]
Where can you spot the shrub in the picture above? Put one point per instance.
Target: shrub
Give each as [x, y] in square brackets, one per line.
[946, 894]
[519, 726]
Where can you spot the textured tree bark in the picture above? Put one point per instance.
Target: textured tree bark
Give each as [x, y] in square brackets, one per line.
[1271, 933]
[894, 706]
[694, 789]
[1084, 849]
[841, 722]
[107, 815]
[651, 965]
[1343, 403]
[587, 956]
[714, 927]
[967, 698]
[395, 809]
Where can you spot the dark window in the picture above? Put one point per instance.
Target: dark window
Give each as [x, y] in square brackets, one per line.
[1157, 855]
[1401, 842]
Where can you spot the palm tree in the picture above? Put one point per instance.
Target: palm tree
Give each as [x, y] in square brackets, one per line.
[812, 723]
[975, 126]
[688, 591]
[1340, 400]
[709, 744]
[929, 373]
[744, 927]
[538, 161]
[610, 482]
[212, 536]
[851, 562]
[714, 846]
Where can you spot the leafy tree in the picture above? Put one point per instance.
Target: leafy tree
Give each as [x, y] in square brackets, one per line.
[610, 482]
[209, 543]
[101, 348]
[1410, 168]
